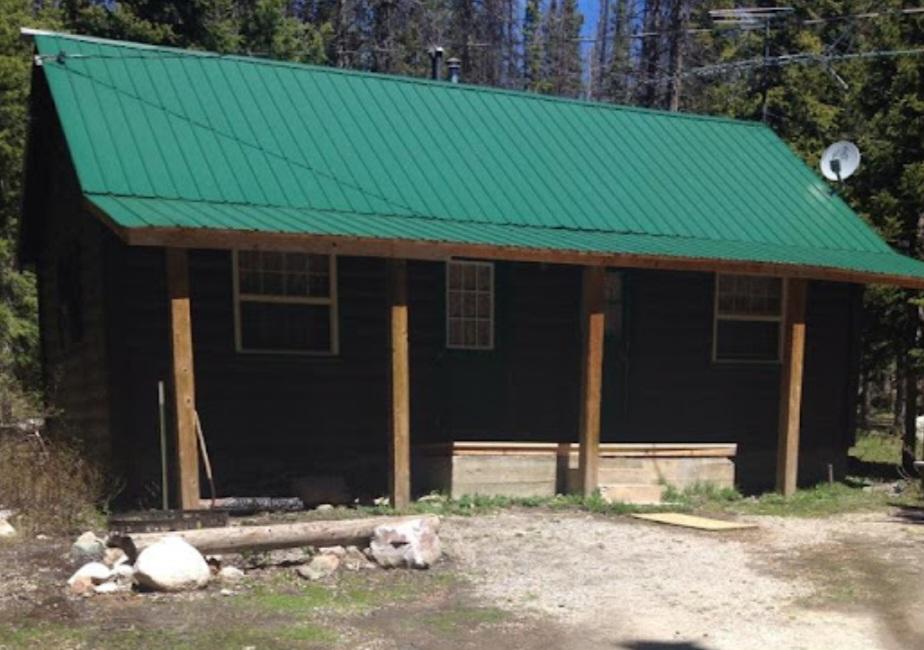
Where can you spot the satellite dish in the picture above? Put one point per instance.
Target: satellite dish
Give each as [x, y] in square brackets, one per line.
[840, 161]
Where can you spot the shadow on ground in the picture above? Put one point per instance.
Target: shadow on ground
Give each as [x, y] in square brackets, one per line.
[909, 514]
[868, 469]
[662, 645]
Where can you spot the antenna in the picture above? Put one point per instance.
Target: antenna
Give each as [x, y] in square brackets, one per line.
[840, 161]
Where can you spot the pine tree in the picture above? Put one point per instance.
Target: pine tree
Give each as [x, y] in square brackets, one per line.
[533, 46]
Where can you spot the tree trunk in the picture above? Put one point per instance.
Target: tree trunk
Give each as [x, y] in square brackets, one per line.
[651, 53]
[898, 392]
[910, 386]
[234, 539]
[678, 38]
[864, 401]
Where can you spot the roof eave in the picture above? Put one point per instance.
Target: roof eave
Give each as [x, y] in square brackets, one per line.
[444, 250]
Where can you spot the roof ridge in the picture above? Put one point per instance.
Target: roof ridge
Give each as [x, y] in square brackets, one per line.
[470, 222]
[256, 60]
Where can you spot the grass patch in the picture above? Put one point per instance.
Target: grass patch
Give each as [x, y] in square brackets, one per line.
[819, 501]
[309, 632]
[47, 635]
[464, 618]
[881, 448]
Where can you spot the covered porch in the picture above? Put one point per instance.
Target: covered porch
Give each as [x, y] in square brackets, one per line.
[555, 368]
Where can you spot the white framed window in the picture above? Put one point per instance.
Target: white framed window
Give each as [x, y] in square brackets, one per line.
[748, 318]
[285, 303]
[470, 305]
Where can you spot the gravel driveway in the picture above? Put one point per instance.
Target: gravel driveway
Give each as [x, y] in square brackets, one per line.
[846, 582]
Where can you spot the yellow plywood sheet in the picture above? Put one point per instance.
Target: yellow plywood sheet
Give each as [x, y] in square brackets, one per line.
[692, 521]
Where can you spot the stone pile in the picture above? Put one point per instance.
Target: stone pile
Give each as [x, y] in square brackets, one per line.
[171, 564]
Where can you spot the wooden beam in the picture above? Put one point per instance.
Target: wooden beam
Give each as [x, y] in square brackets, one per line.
[592, 304]
[177, 263]
[400, 416]
[432, 250]
[787, 464]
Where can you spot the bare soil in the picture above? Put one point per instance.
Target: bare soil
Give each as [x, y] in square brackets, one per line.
[525, 579]
[848, 582]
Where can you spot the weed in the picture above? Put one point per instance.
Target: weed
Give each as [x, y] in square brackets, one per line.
[52, 484]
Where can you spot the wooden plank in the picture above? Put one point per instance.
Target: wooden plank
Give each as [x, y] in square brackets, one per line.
[177, 263]
[606, 450]
[592, 305]
[432, 250]
[787, 465]
[693, 521]
[400, 416]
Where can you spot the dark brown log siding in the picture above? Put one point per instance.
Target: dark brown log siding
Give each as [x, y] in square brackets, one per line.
[677, 393]
[271, 417]
[65, 244]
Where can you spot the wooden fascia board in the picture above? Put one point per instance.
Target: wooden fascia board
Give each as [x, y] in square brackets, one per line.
[438, 251]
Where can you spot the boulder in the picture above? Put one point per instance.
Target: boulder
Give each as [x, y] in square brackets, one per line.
[90, 574]
[88, 548]
[230, 574]
[919, 428]
[414, 543]
[171, 564]
[320, 567]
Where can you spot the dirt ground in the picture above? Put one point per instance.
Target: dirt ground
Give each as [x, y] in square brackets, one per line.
[525, 579]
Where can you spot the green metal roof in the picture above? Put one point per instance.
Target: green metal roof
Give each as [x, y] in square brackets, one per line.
[167, 138]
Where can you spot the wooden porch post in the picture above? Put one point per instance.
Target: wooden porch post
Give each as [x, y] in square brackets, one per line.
[787, 463]
[177, 261]
[592, 304]
[400, 416]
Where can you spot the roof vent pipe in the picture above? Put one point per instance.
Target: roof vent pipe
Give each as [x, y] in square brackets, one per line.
[455, 69]
[436, 62]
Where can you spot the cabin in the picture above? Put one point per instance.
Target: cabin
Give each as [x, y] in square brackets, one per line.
[387, 285]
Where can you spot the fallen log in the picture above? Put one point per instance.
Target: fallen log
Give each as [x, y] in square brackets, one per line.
[234, 539]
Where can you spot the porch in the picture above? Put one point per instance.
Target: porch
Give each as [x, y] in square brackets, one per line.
[554, 374]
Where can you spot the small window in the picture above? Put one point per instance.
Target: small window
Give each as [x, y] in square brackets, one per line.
[470, 305]
[748, 318]
[285, 302]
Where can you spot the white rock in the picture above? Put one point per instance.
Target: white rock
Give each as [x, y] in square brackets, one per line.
[6, 528]
[354, 560]
[339, 551]
[114, 557]
[919, 428]
[324, 507]
[90, 574]
[171, 564]
[111, 588]
[320, 566]
[123, 573]
[413, 543]
[87, 548]
[230, 574]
